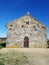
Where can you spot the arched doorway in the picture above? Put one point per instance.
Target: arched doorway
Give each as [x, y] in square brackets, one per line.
[26, 41]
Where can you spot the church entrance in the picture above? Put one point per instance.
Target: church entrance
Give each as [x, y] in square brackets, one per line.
[26, 41]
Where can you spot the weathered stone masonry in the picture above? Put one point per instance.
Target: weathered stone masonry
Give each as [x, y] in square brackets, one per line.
[26, 32]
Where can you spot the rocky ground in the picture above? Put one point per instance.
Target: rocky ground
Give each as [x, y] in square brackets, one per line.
[24, 56]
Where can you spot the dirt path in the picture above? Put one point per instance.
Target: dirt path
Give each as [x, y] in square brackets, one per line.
[24, 56]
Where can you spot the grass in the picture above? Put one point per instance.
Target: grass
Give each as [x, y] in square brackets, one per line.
[24, 56]
[13, 58]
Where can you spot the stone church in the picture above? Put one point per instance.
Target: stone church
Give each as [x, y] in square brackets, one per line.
[26, 31]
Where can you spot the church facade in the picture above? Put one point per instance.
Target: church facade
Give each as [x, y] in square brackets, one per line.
[26, 32]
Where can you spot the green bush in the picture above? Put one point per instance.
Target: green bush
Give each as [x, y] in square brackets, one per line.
[48, 42]
[1, 46]
[1, 63]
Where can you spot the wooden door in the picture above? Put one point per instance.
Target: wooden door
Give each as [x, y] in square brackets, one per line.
[26, 42]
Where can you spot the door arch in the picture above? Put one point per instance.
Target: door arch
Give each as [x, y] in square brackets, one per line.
[26, 41]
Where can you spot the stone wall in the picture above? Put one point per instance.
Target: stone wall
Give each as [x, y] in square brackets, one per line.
[26, 26]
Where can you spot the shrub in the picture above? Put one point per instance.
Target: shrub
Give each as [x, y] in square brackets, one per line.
[1, 46]
[1, 63]
[48, 42]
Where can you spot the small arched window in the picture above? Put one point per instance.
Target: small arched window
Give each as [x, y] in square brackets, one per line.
[22, 25]
[10, 29]
[11, 25]
[35, 29]
[33, 26]
[42, 26]
[27, 22]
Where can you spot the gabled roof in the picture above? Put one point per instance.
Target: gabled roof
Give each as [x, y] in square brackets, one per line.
[27, 16]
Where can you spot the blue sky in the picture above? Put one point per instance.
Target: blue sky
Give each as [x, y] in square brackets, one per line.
[13, 9]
